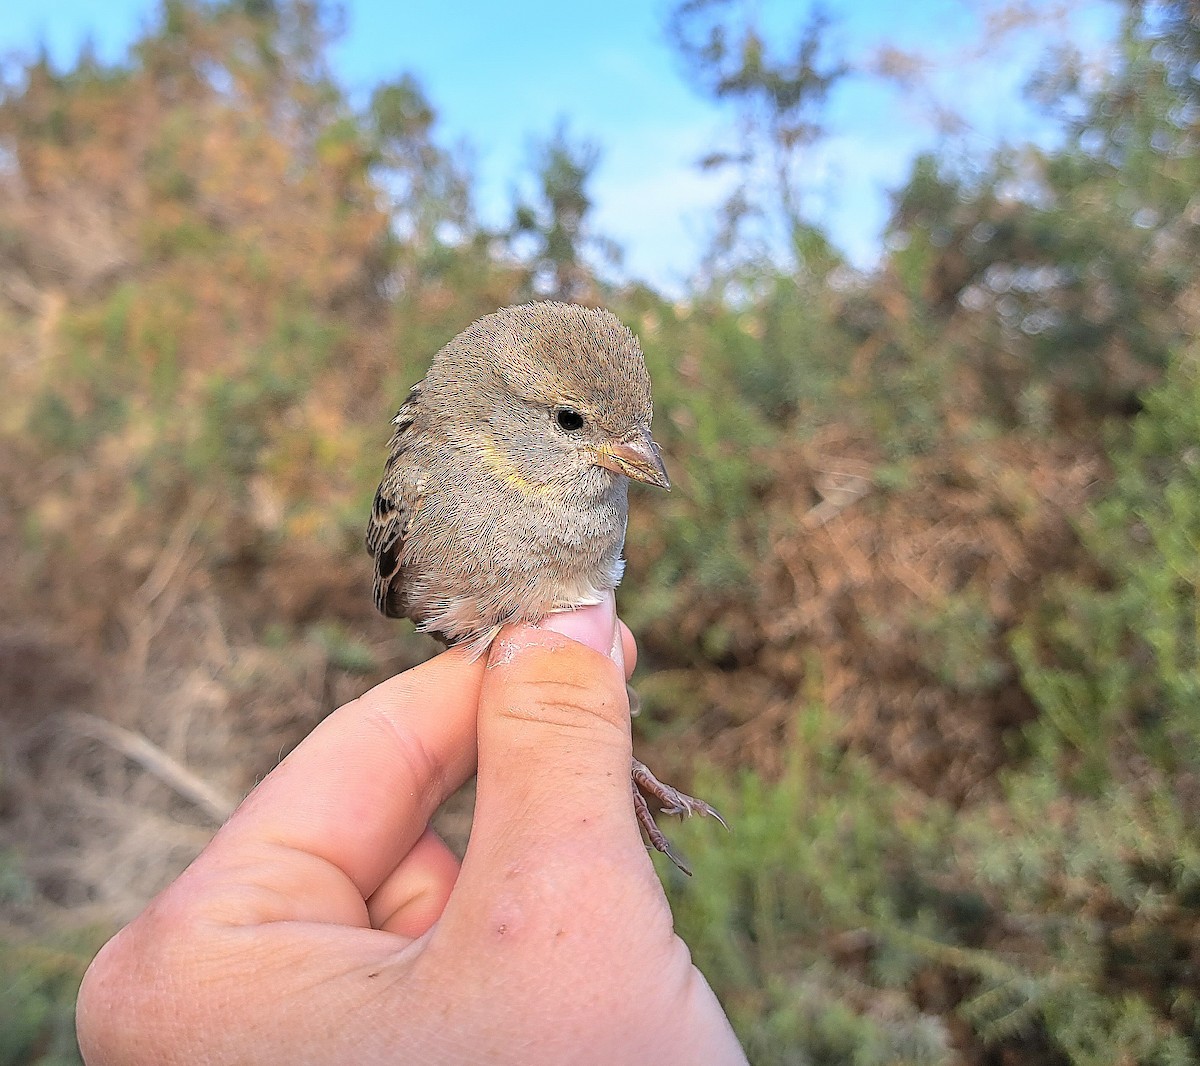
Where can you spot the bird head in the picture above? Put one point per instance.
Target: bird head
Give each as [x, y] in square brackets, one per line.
[550, 394]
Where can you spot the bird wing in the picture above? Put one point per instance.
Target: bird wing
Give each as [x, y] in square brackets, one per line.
[391, 513]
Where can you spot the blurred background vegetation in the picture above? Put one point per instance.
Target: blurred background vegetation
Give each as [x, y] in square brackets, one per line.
[921, 616]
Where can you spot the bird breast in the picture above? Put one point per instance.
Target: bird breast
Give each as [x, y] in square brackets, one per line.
[486, 549]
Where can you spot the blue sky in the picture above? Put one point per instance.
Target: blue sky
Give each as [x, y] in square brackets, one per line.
[501, 75]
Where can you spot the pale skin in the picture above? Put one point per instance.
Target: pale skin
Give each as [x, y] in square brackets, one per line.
[327, 923]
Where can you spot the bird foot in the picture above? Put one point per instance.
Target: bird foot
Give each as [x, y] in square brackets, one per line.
[670, 801]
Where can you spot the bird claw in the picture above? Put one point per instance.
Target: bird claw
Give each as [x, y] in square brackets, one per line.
[695, 806]
[670, 801]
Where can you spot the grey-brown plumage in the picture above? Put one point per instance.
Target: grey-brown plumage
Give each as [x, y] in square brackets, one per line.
[504, 497]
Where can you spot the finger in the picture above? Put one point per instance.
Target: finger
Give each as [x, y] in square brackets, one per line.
[629, 649]
[554, 745]
[413, 895]
[325, 828]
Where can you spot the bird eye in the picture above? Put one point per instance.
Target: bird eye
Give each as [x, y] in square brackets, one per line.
[568, 419]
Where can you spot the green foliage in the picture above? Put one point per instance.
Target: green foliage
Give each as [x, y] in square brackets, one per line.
[240, 416]
[1102, 858]
[958, 643]
[1071, 263]
[345, 650]
[39, 982]
[706, 534]
[554, 225]
[429, 193]
[39, 978]
[1117, 669]
[797, 359]
[816, 866]
[1084, 885]
[53, 422]
[778, 93]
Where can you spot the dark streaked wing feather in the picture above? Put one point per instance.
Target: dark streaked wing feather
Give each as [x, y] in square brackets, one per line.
[391, 515]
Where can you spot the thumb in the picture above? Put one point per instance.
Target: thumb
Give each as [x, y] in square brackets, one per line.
[554, 744]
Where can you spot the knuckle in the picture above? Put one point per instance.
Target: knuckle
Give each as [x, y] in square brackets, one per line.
[418, 764]
[565, 704]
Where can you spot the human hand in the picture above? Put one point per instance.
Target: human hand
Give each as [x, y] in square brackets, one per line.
[326, 922]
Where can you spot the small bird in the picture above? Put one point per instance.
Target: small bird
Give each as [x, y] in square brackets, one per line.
[505, 494]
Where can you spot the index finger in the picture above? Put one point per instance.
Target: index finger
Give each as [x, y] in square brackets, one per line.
[324, 829]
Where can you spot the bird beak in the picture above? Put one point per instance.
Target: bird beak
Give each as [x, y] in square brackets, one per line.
[637, 458]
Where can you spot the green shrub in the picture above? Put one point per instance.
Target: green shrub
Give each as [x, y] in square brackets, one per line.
[1065, 914]
[817, 865]
[39, 979]
[1100, 861]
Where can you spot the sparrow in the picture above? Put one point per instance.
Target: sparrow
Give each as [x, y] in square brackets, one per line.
[505, 493]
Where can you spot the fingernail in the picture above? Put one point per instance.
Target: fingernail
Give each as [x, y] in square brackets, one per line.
[594, 626]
